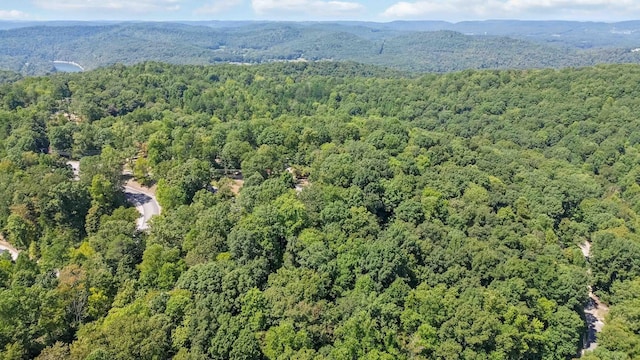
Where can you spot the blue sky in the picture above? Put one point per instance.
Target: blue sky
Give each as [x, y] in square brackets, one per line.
[379, 10]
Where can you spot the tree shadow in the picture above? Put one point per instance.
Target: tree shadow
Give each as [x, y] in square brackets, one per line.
[138, 199]
[590, 338]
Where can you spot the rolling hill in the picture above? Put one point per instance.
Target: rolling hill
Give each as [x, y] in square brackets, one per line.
[408, 46]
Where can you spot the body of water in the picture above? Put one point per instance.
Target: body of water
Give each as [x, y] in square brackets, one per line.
[65, 66]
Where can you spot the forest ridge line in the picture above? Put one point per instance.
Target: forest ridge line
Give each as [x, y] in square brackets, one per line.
[419, 46]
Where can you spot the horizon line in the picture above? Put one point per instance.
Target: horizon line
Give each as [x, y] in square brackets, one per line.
[314, 21]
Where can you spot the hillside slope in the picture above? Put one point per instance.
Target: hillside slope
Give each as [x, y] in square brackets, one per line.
[31, 50]
[368, 215]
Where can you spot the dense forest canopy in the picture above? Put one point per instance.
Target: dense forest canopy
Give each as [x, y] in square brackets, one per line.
[31, 47]
[320, 211]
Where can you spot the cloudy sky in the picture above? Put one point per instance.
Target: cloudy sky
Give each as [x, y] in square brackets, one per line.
[376, 10]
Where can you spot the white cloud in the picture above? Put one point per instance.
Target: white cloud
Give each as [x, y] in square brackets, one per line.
[520, 9]
[134, 6]
[13, 15]
[218, 6]
[315, 8]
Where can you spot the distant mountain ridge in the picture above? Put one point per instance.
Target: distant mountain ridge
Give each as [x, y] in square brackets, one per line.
[422, 46]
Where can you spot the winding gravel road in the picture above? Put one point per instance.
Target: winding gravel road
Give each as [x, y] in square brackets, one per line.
[594, 311]
[141, 197]
[144, 201]
[5, 246]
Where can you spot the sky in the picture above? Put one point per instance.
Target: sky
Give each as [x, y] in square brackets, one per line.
[312, 10]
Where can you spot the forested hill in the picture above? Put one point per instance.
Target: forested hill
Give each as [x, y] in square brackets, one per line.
[365, 215]
[412, 46]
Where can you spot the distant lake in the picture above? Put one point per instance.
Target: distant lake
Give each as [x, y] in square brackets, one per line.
[66, 67]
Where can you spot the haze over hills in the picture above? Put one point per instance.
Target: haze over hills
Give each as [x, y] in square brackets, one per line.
[422, 46]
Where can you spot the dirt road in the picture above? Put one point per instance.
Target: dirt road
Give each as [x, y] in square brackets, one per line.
[5, 246]
[595, 311]
[143, 198]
